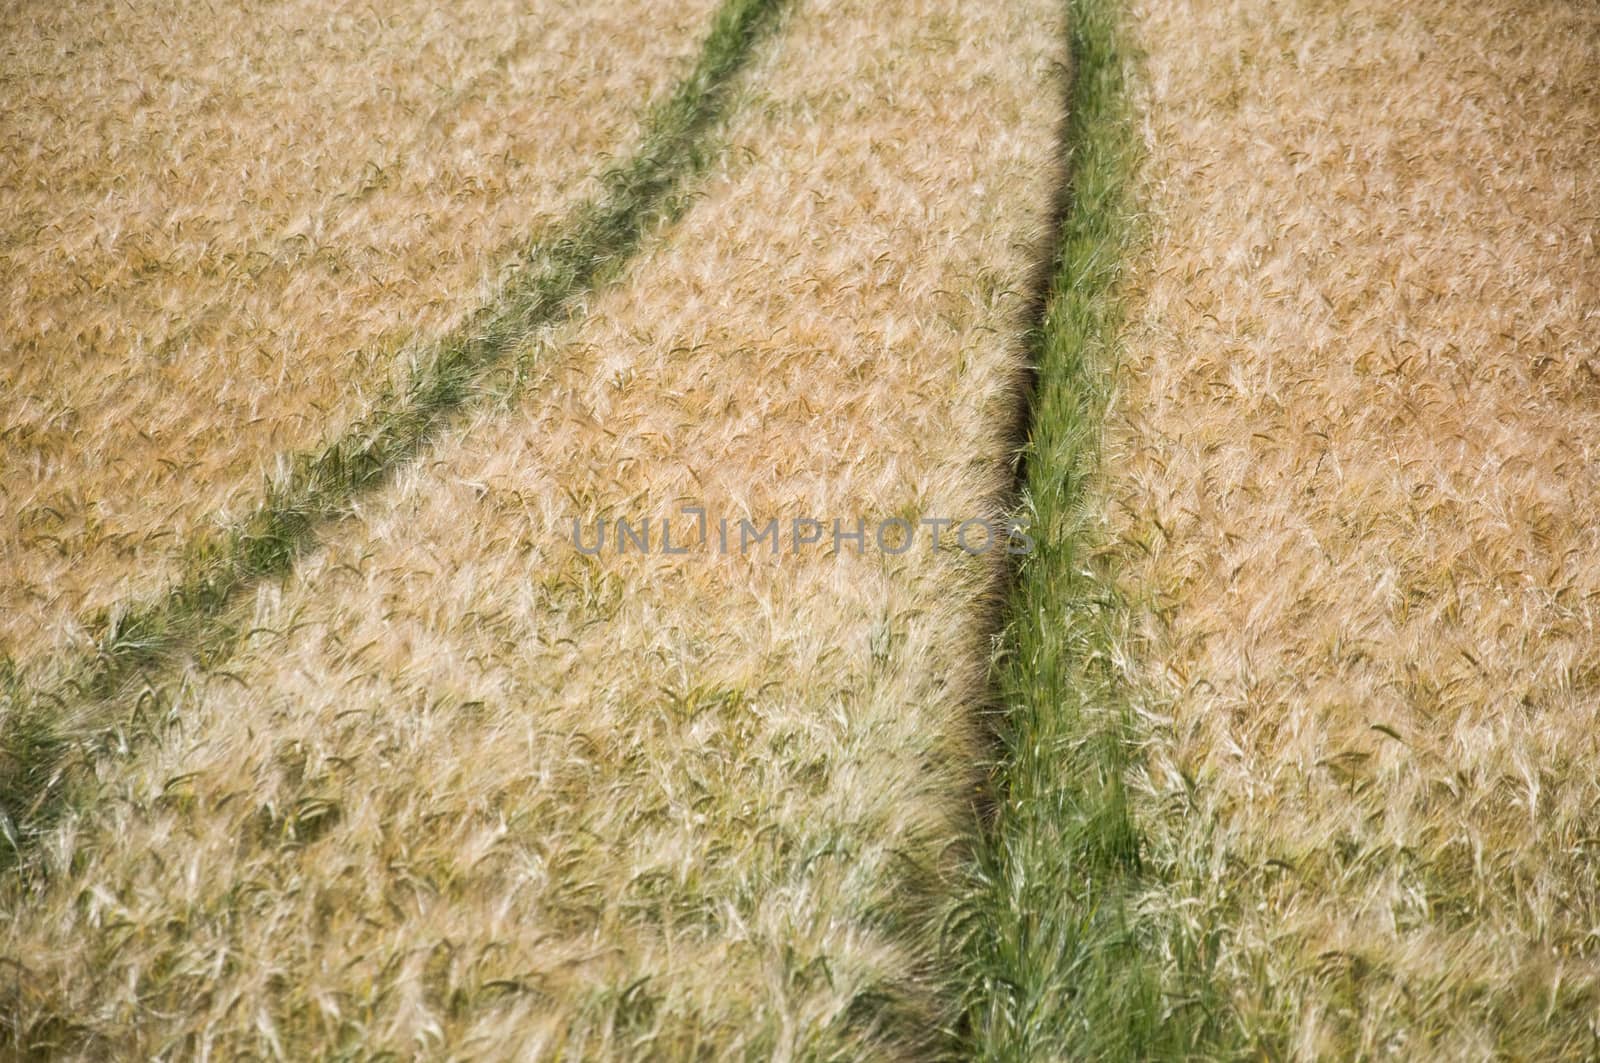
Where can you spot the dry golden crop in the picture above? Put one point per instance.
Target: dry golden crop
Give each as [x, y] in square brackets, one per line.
[217, 230]
[1355, 473]
[470, 790]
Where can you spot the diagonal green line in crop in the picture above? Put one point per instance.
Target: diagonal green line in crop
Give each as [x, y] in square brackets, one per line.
[590, 246]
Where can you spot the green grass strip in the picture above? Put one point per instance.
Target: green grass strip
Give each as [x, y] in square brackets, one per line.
[1057, 951]
[590, 246]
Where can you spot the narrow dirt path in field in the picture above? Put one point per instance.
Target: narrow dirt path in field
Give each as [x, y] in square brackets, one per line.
[472, 790]
[1359, 488]
[217, 231]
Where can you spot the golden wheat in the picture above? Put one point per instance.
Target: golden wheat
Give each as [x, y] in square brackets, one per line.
[470, 791]
[1354, 459]
[216, 231]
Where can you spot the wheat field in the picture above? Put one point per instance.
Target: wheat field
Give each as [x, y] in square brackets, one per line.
[1352, 468]
[219, 233]
[484, 511]
[469, 791]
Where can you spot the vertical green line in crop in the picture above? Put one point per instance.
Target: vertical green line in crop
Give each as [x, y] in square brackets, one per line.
[1056, 958]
